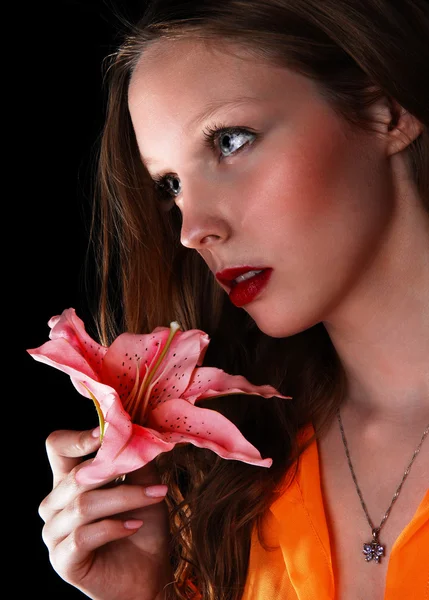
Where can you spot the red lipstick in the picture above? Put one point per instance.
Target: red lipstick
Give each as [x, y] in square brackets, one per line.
[243, 292]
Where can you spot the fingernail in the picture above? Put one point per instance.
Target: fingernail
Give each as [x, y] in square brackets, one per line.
[156, 491]
[133, 523]
[96, 432]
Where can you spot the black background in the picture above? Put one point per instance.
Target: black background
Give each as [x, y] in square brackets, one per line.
[61, 105]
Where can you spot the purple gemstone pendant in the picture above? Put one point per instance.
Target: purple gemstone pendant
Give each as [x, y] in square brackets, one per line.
[373, 550]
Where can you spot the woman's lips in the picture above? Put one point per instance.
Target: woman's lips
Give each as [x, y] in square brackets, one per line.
[227, 276]
[243, 292]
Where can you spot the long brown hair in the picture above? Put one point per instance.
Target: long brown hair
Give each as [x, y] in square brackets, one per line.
[358, 52]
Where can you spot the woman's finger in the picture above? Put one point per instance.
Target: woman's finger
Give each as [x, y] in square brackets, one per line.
[65, 450]
[98, 504]
[71, 555]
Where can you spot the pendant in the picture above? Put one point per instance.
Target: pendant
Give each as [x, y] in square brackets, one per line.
[373, 550]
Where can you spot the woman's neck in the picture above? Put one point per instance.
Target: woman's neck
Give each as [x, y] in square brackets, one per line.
[381, 329]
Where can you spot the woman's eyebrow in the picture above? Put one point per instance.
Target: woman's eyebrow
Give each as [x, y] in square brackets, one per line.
[213, 107]
[208, 112]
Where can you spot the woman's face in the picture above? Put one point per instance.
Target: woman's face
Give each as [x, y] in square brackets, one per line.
[295, 189]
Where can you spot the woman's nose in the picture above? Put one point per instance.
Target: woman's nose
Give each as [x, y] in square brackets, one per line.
[201, 235]
[203, 221]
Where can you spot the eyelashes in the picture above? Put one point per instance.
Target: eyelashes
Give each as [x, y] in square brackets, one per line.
[213, 134]
[212, 137]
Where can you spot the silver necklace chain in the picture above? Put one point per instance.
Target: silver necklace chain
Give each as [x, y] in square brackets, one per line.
[374, 550]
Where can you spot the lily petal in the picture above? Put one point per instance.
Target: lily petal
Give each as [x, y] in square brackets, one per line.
[61, 355]
[129, 353]
[208, 382]
[186, 351]
[70, 327]
[178, 421]
[125, 448]
[71, 349]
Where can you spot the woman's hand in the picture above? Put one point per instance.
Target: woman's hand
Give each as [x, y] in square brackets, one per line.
[110, 542]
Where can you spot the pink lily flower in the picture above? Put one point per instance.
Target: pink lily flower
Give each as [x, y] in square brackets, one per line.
[145, 389]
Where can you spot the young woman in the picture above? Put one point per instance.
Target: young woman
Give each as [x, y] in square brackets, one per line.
[283, 143]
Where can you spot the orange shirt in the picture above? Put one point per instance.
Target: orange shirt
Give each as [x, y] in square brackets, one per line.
[301, 567]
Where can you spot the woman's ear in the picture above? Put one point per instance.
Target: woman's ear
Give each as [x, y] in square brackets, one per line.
[395, 126]
[401, 129]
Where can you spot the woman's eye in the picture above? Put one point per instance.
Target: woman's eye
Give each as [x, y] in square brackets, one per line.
[169, 184]
[227, 140]
[167, 188]
[230, 141]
